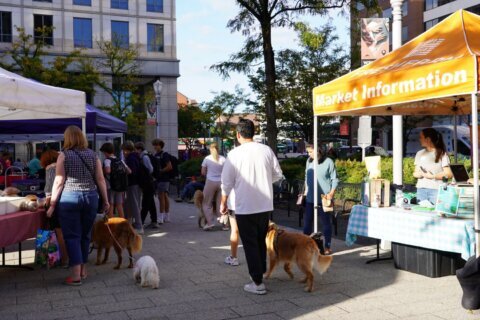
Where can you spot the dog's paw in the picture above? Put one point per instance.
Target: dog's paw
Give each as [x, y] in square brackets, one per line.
[308, 289]
[303, 280]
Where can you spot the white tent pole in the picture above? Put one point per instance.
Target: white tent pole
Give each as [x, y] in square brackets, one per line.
[455, 137]
[84, 126]
[397, 121]
[475, 170]
[315, 164]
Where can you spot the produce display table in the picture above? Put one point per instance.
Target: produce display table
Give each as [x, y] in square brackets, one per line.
[408, 227]
[19, 226]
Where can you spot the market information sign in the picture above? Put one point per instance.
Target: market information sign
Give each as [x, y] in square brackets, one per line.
[364, 133]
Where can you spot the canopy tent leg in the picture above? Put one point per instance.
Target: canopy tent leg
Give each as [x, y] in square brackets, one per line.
[315, 185]
[84, 126]
[455, 137]
[475, 170]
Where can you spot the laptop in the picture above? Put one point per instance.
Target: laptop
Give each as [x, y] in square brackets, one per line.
[459, 173]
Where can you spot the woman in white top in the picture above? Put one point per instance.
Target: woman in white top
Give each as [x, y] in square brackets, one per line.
[212, 167]
[431, 165]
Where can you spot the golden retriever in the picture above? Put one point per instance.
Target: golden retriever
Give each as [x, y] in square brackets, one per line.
[125, 237]
[286, 246]
[198, 200]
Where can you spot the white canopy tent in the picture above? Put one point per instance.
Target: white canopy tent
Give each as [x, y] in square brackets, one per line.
[22, 98]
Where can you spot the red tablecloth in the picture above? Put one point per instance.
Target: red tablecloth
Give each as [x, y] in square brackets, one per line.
[19, 226]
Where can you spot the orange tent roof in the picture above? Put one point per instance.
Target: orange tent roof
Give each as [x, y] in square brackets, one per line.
[424, 76]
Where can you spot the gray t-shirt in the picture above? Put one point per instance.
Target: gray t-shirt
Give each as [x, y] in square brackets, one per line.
[426, 159]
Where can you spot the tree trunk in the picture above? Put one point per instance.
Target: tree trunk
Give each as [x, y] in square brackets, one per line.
[270, 98]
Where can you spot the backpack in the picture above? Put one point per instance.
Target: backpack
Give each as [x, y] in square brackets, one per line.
[118, 175]
[163, 158]
[157, 166]
[174, 172]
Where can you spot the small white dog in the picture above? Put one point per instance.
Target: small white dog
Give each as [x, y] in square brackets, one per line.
[145, 271]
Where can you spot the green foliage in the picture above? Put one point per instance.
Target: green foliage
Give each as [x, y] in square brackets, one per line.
[293, 168]
[192, 123]
[191, 167]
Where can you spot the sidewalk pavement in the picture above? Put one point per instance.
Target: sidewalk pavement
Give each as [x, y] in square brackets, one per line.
[196, 284]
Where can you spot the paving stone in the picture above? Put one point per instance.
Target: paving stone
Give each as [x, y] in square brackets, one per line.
[313, 300]
[24, 308]
[91, 301]
[267, 316]
[80, 312]
[422, 317]
[7, 301]
[47, 297]
[418, 308]
[104, 316]
[213, 314]
[257, 309]
[161, 312]
[371, 314]
[120, 306]
[457, 314]
[208, 304]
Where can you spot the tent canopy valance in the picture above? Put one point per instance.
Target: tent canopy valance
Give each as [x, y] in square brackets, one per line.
[427, 75]
[22, 98]
[98, 121]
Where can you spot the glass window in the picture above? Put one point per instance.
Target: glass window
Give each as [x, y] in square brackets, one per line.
[50, 1]
[119, 4]
[40, 21]
[5, 26]
[387, 13]
[405, 8]
[154, 37]
[155, 5]
[83, 2]
[404, 34]
[82, 33]
[430, 24]
[120, 34]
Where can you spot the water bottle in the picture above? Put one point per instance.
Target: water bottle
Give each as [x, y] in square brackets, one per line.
[399, 198]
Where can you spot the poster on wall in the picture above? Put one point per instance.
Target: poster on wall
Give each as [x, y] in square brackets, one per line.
[374, 37]
[151, 113]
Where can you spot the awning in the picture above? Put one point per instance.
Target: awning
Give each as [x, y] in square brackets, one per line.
[424, 76]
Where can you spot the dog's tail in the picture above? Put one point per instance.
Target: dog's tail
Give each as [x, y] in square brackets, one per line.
[136, 240]
[198, 199]
[322, 263]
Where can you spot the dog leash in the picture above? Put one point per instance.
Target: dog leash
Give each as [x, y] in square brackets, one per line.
[275, 240]
[105, 219]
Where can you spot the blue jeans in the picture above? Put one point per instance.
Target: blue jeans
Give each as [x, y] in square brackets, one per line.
[427, 194]
[77, 212]
[324, 218]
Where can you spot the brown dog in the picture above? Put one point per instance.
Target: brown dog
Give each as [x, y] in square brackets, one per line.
[198, 200]
[286, 246]
[125, 237]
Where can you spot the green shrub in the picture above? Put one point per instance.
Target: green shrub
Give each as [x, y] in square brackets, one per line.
[191, 167]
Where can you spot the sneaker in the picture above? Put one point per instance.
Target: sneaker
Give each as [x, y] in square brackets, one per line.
[166, 218]
[179, 200]
[152, 225]
[161, 218]
[140, 231]
[231, 261]
[208, 227]
[252, 287]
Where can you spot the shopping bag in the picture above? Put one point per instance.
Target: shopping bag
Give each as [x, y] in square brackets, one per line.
[47, 252]
[327, 204]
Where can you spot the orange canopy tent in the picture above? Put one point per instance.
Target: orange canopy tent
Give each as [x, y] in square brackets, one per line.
[428, 75]
[424, 76]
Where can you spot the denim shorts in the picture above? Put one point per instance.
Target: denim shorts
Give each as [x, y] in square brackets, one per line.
[163, 186]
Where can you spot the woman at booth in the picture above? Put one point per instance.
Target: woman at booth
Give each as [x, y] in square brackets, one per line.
[431, 165]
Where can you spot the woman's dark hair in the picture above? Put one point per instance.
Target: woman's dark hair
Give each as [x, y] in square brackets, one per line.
[437, 140]
[107, 147]
[246, 128]
[321, 153]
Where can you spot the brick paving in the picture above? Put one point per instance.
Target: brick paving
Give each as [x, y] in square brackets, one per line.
[196, 284]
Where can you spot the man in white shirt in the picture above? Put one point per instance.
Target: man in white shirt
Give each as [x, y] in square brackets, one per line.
[250, 170]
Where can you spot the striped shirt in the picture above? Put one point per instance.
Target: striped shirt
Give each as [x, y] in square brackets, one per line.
[77, 176]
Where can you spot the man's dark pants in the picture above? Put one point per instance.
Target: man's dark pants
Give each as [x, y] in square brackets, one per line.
[148, 204]
[253, 230]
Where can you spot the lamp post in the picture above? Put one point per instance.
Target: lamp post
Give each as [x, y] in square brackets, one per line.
[157, 88]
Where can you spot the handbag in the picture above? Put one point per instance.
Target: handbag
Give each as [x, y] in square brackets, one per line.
[47, 251]
[300, 200]
[327, 204]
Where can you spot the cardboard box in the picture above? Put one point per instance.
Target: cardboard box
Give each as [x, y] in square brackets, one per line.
[376, 189]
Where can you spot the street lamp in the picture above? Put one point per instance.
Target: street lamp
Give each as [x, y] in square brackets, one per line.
[157, 88]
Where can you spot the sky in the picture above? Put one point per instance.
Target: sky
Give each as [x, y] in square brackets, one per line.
[203, 39]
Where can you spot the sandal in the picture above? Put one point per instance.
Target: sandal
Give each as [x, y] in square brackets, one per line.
[70, 282]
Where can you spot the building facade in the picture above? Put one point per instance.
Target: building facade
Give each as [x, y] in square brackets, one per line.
[82, 24]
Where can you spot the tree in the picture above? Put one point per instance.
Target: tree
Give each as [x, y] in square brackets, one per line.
[220, 111]
[26, 54]
[120, 61]
[318, 61]
[191, 125]
[255, 20]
